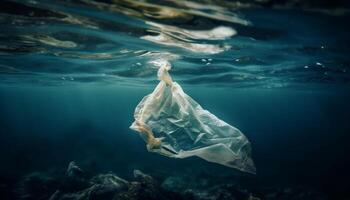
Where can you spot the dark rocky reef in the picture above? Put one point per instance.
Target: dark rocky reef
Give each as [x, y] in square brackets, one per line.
[77, 184]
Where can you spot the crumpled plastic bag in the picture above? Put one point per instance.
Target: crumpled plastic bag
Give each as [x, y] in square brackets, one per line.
[178, 127]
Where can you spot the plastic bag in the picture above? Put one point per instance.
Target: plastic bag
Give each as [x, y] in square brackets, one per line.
[175, 125]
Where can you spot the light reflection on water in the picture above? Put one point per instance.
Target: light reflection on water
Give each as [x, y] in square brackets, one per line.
[227, 43]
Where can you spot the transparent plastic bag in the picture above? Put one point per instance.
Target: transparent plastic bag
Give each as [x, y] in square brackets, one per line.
[175, 125]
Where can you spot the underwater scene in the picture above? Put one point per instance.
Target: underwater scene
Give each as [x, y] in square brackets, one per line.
[174, 99]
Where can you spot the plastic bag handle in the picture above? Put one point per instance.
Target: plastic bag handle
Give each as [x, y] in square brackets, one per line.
[163, 74]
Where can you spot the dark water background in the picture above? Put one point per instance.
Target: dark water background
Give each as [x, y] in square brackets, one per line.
[71, 75]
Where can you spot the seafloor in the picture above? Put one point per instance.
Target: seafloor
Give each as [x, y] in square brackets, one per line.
[75, 183]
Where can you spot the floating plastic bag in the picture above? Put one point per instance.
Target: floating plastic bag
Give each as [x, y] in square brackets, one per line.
[175, 125]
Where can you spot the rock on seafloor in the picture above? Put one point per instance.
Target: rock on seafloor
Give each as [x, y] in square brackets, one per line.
[77, 184]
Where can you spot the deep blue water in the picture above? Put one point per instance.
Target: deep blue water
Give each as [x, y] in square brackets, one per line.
[72, 73]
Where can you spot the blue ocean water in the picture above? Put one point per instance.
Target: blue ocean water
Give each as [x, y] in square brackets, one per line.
[72, 73]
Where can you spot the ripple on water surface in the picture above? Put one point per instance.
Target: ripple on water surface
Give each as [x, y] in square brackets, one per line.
[227, 44]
